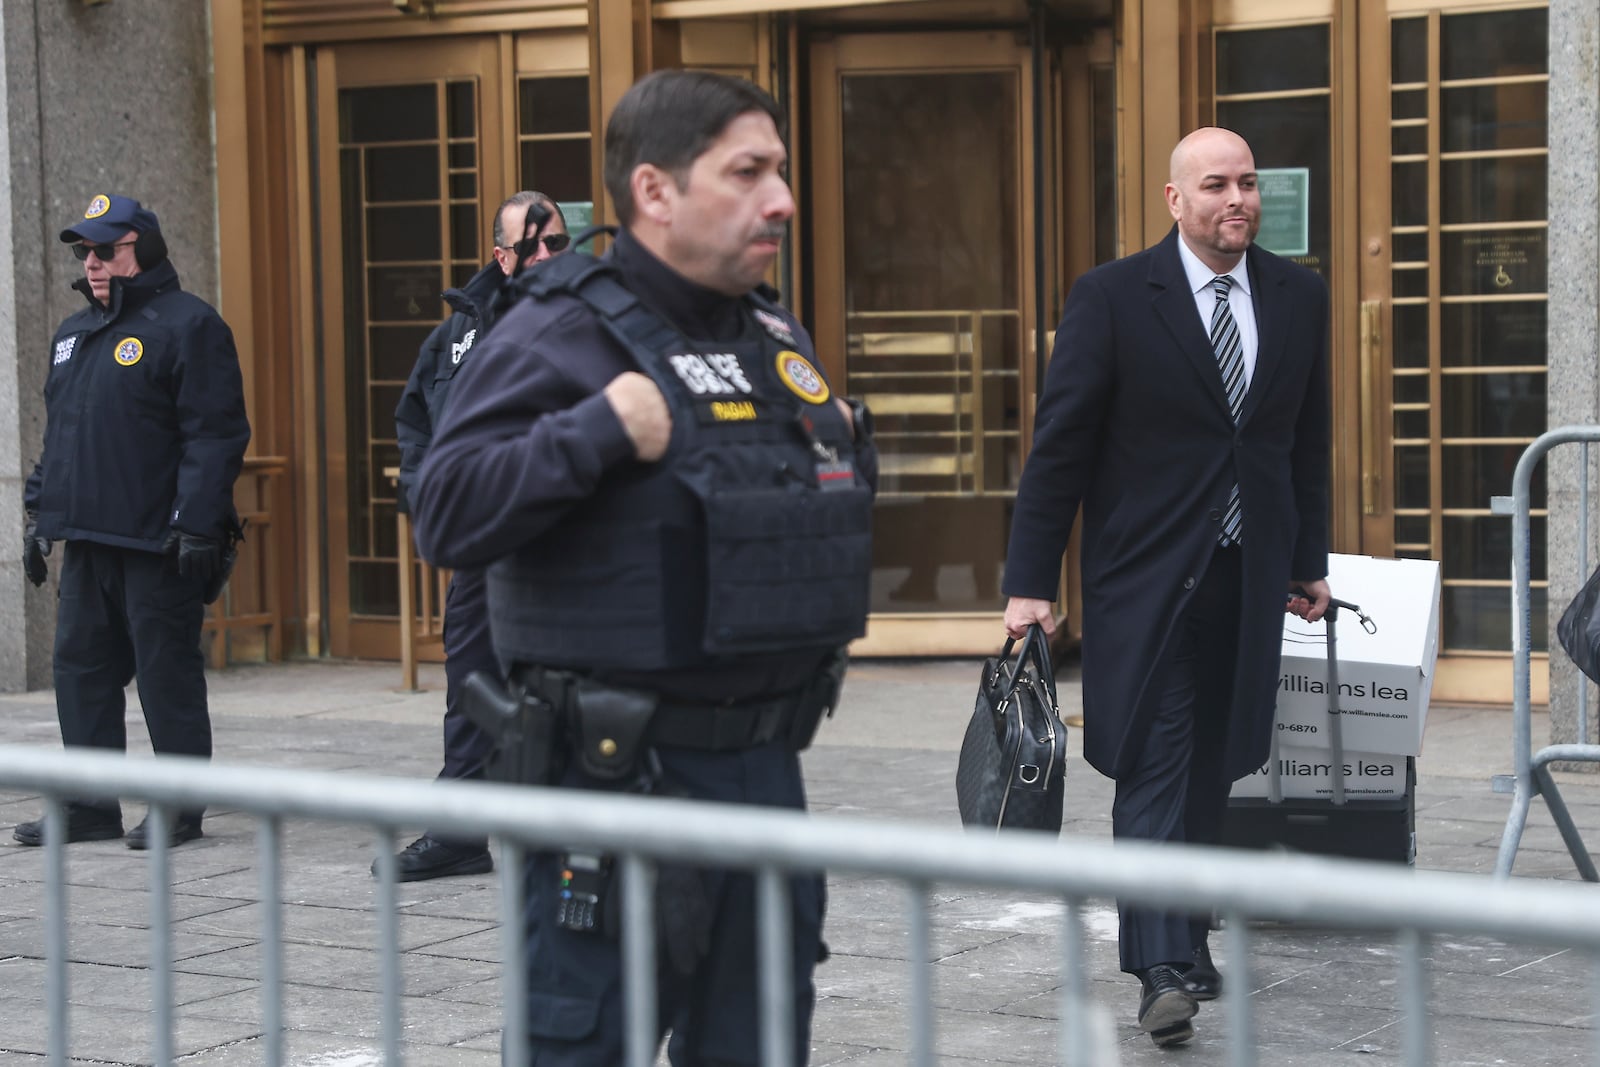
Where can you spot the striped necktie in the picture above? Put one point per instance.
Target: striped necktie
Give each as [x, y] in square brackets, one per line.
[1230, 360]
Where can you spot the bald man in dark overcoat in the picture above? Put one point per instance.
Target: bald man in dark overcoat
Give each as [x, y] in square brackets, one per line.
[1185, 412]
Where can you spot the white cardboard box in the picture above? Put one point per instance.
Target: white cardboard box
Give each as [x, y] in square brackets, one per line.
[1308, 773]
[1385, 678]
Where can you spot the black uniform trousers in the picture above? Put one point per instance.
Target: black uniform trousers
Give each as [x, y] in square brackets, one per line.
[467, 648]
[123, 614]
[575, 1010]
[1177, 790]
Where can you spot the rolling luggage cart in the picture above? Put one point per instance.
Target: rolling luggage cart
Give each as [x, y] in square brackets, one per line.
[1383, 828]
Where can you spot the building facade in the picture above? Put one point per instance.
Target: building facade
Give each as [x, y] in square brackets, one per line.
[956, 163]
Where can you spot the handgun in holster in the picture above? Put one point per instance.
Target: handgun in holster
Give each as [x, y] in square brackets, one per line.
[819, 699]
[526, 730]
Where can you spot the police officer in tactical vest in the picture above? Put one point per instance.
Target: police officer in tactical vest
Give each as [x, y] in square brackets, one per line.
[675, 507]
[145, 433]
[528, 229]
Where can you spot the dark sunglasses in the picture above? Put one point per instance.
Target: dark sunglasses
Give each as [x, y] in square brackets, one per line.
[106, 252]
[555, 242]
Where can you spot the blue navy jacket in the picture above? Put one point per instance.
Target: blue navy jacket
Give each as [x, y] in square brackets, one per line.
[442, 355]
[145, 418]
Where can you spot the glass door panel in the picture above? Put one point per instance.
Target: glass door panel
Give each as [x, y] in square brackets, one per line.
[1468, 159]
[921, 282]
[932, 324]
[410, 173]
[553, 142]
[1274, 88]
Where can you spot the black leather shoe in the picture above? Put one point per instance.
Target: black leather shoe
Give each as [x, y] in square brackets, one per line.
[1166, 1006]
[428, 857]
[1203, 980]
[184, 828]
[84, 823]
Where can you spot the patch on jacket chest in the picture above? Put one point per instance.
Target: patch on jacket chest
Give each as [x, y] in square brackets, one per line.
[712, 374]
[129, 351]
[64, 349]
[775, 326]
[459, 348]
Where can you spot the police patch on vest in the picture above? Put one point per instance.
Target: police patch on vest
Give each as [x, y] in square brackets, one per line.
[459, 348]
[713, 374]
[802, 378]
[774, 325]
[64, 349]
[129, 351]
[98, 206]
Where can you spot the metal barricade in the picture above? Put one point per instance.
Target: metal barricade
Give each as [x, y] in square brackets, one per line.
[776, 845]
[1532, 776]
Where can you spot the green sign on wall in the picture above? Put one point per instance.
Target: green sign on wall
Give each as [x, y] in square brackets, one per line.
[1285, 210]
[579, 214]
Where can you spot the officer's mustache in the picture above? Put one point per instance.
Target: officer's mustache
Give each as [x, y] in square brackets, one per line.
[772, 231]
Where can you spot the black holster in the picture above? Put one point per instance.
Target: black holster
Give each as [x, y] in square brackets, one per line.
[527, 730]
[819, 699]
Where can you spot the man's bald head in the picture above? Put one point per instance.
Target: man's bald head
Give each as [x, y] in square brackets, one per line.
[1213, 196]
[1190, 151]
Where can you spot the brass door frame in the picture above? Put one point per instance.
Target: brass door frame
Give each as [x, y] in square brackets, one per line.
[363, 66]
[1363, 494]
[920, 633]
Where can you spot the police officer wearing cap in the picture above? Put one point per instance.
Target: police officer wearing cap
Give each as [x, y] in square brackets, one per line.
[528, 222]
[145, 433]
[674, 507]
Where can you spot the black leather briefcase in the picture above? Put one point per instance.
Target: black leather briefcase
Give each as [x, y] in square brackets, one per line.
[1013, 765]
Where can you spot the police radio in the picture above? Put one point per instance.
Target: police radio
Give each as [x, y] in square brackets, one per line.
[581, 898]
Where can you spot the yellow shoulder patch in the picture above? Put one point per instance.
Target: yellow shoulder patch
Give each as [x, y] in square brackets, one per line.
[802, 378]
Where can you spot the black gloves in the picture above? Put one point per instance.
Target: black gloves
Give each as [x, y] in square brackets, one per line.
[34, 550]
[197, 557]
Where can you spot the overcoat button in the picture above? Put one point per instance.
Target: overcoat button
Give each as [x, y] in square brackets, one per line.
[1188, 583]
[1216, 516]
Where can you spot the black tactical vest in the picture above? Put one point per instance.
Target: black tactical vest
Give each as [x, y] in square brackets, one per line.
[751, 535]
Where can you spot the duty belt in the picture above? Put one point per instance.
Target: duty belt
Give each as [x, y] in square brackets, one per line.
[675, 724]
[723, 727]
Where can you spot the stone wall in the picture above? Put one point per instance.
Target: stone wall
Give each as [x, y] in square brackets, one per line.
[106, 98]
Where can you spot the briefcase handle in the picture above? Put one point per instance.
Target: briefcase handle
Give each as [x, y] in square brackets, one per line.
[1035, 645]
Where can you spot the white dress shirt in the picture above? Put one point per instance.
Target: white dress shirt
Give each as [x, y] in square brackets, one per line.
[1239, 302]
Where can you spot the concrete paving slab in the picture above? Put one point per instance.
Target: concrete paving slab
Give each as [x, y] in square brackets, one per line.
[114, 1035]
[113, 946]
[484, 946]
[356, 1013]
[307, 1048]
[353, 926]
[96, 985]
[334, 967]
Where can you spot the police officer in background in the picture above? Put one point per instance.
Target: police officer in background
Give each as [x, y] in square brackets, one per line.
[144, 436]
[676, 509]
[527, 228]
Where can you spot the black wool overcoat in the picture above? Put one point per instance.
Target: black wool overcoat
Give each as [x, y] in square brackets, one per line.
[1133, 426]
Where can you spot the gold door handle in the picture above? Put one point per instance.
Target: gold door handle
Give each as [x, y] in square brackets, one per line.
[1371, 353]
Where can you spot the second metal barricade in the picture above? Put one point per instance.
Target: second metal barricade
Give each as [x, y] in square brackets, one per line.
[1532, 776]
